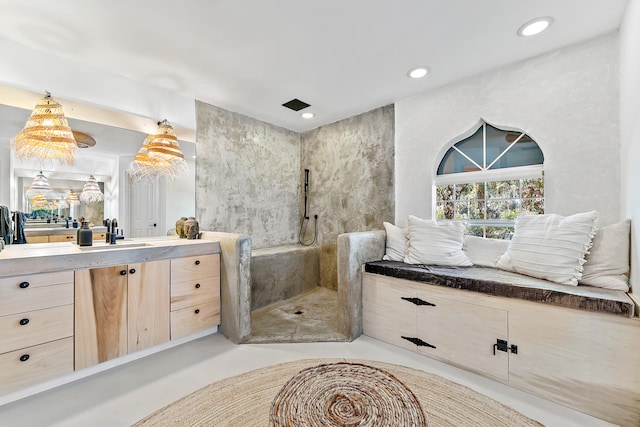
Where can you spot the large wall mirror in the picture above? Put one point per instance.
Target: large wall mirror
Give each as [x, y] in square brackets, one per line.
[143, 209]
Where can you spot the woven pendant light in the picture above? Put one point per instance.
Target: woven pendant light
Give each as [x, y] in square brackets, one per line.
[159, 156]
[39, 187]
[46, 135]
[91, 191]
[72, 199]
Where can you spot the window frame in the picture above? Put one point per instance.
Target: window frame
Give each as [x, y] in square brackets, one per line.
[486, 175]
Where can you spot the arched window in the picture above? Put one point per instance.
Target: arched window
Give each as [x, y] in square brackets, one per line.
[488, 179]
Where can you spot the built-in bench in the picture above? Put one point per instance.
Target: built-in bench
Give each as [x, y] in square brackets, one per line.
[496, 282]
[574, 345]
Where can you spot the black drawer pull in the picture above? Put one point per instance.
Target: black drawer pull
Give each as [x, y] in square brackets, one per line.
[132, 271]
[418, 301]
[123, 272]
[197, 311]
[418, 342]
[197, 262]
[24, 321]
[24, 357]
[24, 285]
[197, 285]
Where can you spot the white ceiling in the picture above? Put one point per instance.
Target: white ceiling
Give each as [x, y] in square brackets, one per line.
[343, 57]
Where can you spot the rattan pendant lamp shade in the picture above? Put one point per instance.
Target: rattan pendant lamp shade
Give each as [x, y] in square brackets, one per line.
[159, 156]
[72, 199]
[91, 191]
[39, 187]
[46, 135]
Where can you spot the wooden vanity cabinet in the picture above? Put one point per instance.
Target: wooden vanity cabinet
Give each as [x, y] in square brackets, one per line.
[195, 294]
[36, 329]
[120, 310]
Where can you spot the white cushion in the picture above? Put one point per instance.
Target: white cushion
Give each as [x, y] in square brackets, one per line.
[608, 260]
[484, 252]
[436, 242]
[396, 244]
[550, 246]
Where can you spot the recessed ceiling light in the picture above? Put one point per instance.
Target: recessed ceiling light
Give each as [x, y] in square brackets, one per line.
[418, 73]
[307, 115]
[535, 26]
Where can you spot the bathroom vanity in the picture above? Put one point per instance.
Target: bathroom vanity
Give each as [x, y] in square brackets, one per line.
[65, 309]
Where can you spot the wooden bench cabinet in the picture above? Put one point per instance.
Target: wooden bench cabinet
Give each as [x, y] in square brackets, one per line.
[581, 359]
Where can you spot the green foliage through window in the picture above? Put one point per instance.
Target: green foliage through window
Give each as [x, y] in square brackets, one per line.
[490, 204]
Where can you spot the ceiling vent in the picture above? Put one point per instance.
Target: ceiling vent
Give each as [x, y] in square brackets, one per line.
[296, 105]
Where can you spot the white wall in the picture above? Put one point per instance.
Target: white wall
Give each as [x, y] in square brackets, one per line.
[630, 129]
[566, 100]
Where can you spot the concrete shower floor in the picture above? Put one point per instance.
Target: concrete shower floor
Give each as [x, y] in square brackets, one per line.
[308, 317]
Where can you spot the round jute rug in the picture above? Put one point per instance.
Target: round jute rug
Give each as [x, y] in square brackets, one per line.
[348, 392]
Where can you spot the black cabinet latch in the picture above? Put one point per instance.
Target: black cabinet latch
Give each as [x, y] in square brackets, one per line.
[502, 345]
[418, 301]
[418, 342]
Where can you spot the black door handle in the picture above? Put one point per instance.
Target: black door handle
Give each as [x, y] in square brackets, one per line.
[132, 271]
[418, 342]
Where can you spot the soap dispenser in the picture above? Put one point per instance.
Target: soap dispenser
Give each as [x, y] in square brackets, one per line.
[85, 235]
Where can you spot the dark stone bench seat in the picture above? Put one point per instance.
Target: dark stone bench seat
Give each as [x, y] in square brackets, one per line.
[493, 281]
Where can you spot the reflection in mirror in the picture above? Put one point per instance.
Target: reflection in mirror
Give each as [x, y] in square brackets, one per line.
[54, 208]
[108, 160]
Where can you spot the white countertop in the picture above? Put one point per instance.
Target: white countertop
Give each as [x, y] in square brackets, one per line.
[46, 257]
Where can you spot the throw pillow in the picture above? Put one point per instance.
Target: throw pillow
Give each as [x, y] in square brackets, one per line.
[608, 260]
[484, 252]
[550, 246]
[396, 244]
[436, 242]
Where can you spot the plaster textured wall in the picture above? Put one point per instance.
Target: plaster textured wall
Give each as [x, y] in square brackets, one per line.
[351, 180]
[630, 130]
[247, 177]
[568, 101]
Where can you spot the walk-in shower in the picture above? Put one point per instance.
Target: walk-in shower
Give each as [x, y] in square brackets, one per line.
[287, 302]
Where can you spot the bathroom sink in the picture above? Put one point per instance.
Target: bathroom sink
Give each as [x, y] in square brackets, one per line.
[119, 245]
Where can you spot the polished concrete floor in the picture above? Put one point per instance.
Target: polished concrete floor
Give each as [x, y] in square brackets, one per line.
[125, 394]
[308, 317]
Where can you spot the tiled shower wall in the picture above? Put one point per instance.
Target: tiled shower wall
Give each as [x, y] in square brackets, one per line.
[249, 178]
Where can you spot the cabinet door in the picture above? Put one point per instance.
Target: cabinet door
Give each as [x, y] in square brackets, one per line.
[584, 360]
[385, 314]
[463, 333]
[148, 304]
[100, 315]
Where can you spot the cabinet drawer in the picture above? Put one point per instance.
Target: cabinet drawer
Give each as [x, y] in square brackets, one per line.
[195, 267]
[35, 327]
[186, 294]
[99, 236]
[28, 293]
[37, 239]
[41, 363]
[192, 319]
[63, 237]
